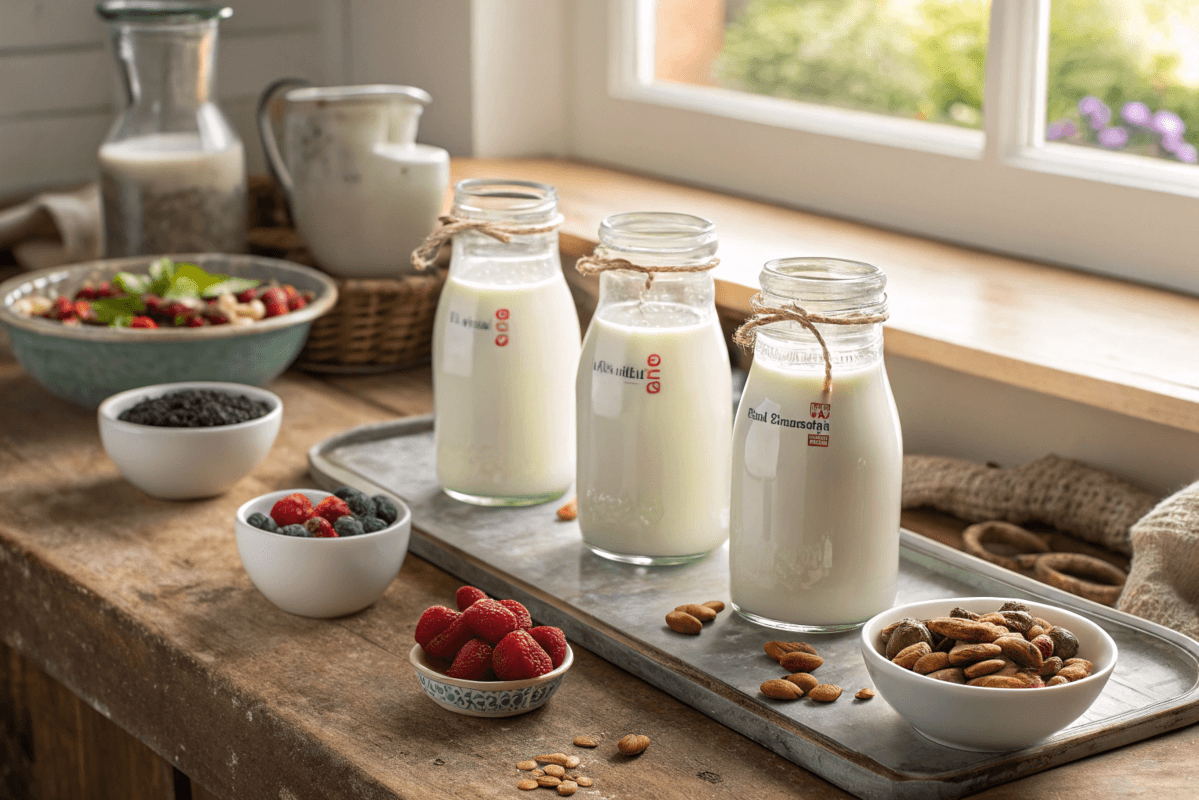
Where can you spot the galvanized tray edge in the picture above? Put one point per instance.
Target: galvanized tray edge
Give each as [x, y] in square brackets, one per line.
[866, 778]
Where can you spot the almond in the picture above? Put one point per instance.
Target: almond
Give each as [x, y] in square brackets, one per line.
[803, 680]
[557, 770]
[527, 784]
[931, 663]
[967, 653]
[981, 668]
[571, 762]
[583, 781]
[949, 675]
[554, 758]
[536, 773]
[527, 765]
[715, 605]
[777, 650]
[682, 622]
[569, 511]
[1057, 680]
[998, 682]
[1036, 631]
[864, 694]
[908, 656]
[567, 788]
[586, 741]
[548, 780]
[1022, 651]
[778, 689]
[965, 630]
[1087, 665]
[800, 662]
[825, 693]
[701, 613]
[1051, 667]
[1074, 672]
[633, 744]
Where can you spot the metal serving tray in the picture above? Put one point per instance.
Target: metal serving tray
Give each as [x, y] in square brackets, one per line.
[617, 611]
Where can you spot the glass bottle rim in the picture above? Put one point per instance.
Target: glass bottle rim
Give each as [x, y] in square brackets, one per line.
[161, 11]
[830, 282]
[659, 233]
[507, 200]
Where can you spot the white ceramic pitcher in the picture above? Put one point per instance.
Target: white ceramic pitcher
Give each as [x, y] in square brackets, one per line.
[362, 192]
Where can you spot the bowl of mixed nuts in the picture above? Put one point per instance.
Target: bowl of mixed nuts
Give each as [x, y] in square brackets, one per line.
[987, 674]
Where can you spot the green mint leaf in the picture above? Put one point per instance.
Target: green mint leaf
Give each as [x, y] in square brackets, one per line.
[161, 272]
[230, 285]
[132, 284]
[111, 310]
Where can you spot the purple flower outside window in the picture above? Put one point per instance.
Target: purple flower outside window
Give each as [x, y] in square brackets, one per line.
[1187, 152]
[1137, 113]
[1055, 131]
[1171, 142]
[1069, 130]
[1113, 137]
[1089, 104]
[1167, 122]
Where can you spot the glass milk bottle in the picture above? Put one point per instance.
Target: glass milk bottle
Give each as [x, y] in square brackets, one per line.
[172, 171]
[505, 351]
[814, 533]
[653, 390]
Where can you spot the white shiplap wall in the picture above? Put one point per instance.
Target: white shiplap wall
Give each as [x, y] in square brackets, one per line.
[57, 88]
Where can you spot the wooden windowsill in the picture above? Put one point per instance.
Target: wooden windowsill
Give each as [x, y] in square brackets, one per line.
[1099, 341]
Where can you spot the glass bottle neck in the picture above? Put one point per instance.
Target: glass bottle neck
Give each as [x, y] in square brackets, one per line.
[167, 69]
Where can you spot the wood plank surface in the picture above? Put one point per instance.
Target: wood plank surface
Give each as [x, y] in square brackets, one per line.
[141, 608]
[1095, 340]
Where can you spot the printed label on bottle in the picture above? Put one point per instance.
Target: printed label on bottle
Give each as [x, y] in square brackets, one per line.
[466, 329]
[613, 378]
[818, 426]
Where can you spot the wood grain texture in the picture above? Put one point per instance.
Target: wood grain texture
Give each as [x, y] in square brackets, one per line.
[1094, 340]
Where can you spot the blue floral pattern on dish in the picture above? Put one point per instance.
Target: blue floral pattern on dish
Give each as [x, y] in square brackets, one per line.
[489, 702]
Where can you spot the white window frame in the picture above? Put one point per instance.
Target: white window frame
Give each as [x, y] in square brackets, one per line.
[1002, 188]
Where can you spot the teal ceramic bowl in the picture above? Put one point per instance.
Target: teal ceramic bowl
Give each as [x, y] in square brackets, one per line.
[85, 364]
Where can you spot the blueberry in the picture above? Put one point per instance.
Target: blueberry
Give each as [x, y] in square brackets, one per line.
[263, 522]
[348, 526]
[360, 504]
[385, 509]
[372, 524]
[296, 530]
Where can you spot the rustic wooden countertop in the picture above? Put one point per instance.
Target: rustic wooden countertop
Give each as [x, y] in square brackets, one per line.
[141, 608]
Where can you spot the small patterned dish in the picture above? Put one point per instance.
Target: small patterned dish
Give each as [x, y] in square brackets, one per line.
[487, 698]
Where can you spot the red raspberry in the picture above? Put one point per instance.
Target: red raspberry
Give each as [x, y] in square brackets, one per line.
[247, 296]
[176, 309]
[216, 318]
[552, 641]
[320, 527]
[332, 508]
[523, 620]
[490, 620]
[289, 290]
[275, 309]
[518, 657]
[446, 644]
[63, 309]
[296, 303]
[106, 289]
[196, 322]
[86, 293]
[473, 662]
[274, 295]
[468, 596]
[434, 621]
[83, 310]
[294, 509]
[143, 322]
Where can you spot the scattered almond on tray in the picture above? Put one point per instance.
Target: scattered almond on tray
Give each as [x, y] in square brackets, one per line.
[689, 619]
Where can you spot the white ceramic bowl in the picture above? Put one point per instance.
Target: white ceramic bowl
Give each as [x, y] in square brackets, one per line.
[487, 698]
[320, 577]
[980, 719]
[185, 463]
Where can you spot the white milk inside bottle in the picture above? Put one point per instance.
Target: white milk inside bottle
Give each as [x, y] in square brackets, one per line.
[816, 479]
[654, 400]
[505, 351]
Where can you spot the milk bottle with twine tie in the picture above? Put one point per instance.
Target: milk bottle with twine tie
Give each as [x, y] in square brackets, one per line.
[654, 386]
[817, 452]
[505, 347]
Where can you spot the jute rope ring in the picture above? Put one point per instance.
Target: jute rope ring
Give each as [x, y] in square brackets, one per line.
[424, 256]
[1029, 546]
[599, 261]
[1083, 575]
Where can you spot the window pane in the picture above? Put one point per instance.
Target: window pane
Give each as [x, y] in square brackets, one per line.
[921, 59]
[1124, 76]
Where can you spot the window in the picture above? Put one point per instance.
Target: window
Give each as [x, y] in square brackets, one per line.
[978, 122]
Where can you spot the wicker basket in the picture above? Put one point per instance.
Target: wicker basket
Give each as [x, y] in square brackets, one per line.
[377, 324]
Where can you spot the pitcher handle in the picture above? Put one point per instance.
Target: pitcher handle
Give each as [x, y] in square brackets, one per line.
[266, 131]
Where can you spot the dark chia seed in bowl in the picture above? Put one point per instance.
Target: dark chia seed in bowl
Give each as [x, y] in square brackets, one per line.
[195, 408]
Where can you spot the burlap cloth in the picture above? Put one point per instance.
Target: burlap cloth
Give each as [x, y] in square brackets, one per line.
[54, 228]
[1163, 538]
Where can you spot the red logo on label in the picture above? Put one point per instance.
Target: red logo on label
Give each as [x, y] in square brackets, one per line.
[655, 375]
[502, 327]
[821, 410]
[501, 340]
[502, 314]
[817, 440]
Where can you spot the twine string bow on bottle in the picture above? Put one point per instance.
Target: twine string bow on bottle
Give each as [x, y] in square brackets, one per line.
[599, 261]
[764, 314]
[424, 256]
